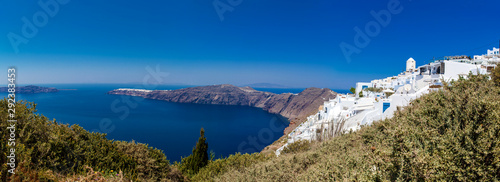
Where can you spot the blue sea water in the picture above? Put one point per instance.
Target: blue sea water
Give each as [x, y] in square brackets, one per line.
[171, 127]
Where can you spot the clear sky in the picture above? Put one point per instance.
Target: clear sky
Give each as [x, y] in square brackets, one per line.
[296, 43]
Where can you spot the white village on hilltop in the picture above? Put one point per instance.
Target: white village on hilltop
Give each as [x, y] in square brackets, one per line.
[379, 99]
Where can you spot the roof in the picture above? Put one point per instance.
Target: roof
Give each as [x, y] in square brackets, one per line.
[388, 91]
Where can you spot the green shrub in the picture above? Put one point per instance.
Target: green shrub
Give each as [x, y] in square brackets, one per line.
[233, 162]
[297, 146]
[151, 163]
[495, 75]
[353, 90]
[375, 90]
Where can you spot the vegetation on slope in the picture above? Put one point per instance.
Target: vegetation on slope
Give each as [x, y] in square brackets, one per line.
[236, 162]
[451, 135]
[495, 75]
[48, 151]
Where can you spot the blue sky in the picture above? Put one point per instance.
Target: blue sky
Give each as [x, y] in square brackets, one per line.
[293, 43]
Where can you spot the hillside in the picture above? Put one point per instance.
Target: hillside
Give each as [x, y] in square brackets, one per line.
[295, 107]
[288, 105]
[266, 85]
[30, 89]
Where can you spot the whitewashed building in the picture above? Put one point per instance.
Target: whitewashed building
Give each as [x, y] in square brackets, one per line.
[494, 51]
[410, 65]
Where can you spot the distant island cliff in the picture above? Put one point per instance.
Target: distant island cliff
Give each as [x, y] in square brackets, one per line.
[291, 106]
[30, 89]
[266, 85]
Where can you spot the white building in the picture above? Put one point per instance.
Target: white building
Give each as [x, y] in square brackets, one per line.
[493, 52]
[410, 65]
[489, 60]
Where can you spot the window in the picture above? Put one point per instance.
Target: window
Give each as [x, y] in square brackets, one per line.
[385, 106]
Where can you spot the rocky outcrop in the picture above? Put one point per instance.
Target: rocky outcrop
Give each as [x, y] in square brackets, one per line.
[30, 89]
[291, 106]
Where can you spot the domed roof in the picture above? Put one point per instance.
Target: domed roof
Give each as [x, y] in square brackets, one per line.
[411, 59]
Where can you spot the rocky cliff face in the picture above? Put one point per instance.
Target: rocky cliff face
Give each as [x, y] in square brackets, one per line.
[289, 105]
[30, 89]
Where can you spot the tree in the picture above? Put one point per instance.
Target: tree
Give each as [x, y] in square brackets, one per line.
[353, 90]
[190, 165]
[361, 94]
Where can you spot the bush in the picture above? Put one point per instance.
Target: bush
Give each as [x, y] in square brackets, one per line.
[451, 135]
[297, 146]
[151, 163]
[374, 90]
[495, 74]
[233, 162]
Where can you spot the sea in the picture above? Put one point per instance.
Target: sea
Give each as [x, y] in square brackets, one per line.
[171, 127]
